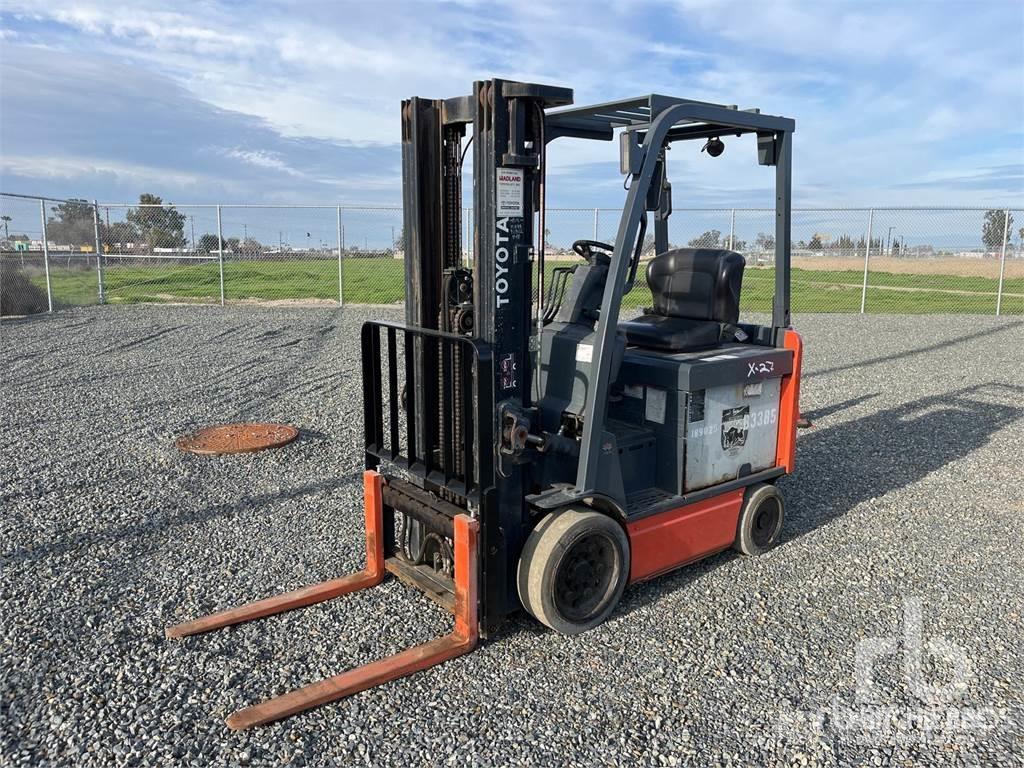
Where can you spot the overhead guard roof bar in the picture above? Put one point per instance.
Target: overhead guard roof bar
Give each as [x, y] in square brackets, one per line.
[599, 121]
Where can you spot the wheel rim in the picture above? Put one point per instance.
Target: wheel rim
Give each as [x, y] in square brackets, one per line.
[766, 522]
[586, 576]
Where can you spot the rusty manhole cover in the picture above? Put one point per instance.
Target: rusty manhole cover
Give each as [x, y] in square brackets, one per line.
[237, 438]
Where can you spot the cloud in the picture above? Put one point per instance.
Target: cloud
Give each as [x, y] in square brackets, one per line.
[55, 167]
[286, 104]
[64, 124]
[1008, 178]
[263, 159]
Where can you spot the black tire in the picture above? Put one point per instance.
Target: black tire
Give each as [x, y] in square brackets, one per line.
[761, 520]
[573, 569]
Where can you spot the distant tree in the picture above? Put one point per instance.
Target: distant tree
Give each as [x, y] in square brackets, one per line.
[992, 228]
[208, 243]
[739, 245]
[399, 243]
[159, 226]
[6, 220]
[73, 223]
[120, 233]
[250, 247]
[814, 243]
[844, 244]
[764, 242]
[710, 239]
[232, 244]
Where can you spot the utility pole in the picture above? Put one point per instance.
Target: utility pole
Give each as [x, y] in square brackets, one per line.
[192, 219]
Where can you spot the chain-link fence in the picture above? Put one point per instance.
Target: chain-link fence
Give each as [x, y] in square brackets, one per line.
[58, 253]
[47, 254]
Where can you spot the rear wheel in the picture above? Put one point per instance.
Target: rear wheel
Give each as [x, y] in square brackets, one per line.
[760, 520]
[573, 569]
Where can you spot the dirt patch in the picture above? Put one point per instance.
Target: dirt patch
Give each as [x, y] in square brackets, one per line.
[962, 267]
[950, 265]
[286, 302]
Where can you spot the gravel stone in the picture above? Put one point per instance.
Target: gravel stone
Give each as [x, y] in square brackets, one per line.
[909, 488]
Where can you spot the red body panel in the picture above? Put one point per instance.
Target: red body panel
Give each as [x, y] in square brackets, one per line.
[679, 536]
[789, 405]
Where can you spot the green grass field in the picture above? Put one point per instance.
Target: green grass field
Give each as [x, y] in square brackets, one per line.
[381, 281]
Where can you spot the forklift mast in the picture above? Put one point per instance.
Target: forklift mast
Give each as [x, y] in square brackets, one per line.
[491, 303]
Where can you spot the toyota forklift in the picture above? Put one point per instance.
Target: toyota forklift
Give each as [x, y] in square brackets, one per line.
[527, 449]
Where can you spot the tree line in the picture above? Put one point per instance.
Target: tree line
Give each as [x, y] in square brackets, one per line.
[155, 225]
[995, 223]
[151, 225]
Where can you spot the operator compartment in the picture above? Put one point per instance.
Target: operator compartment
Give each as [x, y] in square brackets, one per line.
[711, 400]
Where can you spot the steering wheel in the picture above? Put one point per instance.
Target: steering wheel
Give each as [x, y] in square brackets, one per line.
[585, 249]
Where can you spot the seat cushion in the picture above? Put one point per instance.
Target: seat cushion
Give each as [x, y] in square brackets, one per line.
[672, 334]
[698, 283]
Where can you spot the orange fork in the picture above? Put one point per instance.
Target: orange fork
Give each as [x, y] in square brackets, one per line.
[370, 576]
[460, 641]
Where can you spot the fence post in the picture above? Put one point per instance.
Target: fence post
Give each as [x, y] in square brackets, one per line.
[46, 258]
[867, 255]
[220, 255]
[99, 249]
[341, 297]
[597, 219]
[1002, 262]
[732, 229]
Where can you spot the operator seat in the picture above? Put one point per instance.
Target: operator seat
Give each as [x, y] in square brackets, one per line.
[696, 295]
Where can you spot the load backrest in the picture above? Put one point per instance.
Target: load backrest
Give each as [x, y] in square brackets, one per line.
[697, 283]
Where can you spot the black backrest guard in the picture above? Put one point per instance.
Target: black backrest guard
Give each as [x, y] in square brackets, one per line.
[697, 283]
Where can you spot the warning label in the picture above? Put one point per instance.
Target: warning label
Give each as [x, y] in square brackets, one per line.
[654, 407]
[510, 192]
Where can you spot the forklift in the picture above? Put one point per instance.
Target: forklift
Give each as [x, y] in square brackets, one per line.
[525, 448]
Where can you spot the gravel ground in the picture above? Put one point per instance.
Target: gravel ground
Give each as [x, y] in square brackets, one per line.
[907, 503]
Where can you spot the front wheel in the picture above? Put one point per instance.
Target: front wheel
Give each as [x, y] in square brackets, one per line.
[573, 569]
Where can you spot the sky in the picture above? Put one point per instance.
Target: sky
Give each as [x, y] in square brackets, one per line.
[914, 103]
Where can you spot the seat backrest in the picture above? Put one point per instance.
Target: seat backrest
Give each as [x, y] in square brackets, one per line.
[697, 283]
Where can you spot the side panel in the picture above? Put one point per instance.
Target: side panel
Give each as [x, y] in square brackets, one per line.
[731, 430]
[670, 539]
[789, 405]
